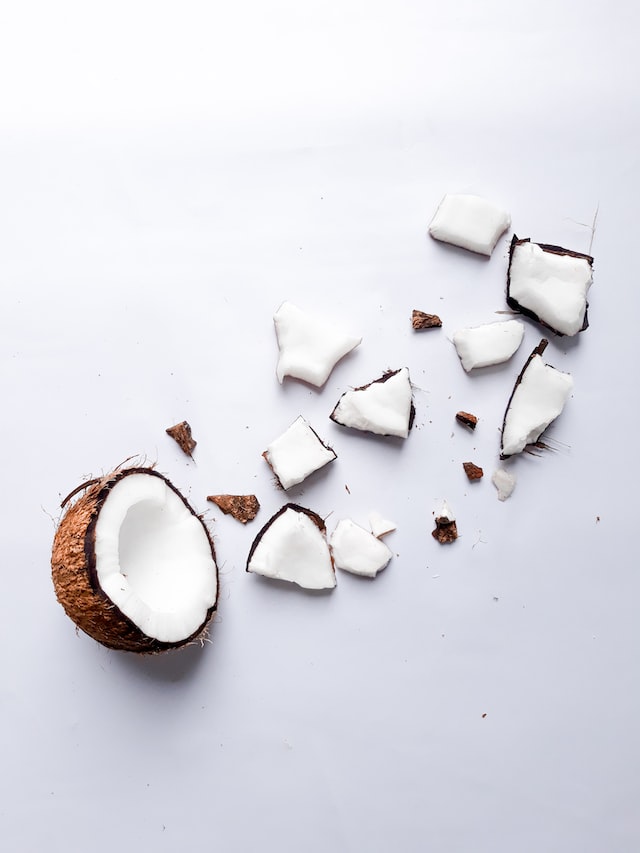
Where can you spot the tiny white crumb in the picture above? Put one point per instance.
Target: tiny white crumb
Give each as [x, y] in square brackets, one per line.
[505, 483]
[470, 222]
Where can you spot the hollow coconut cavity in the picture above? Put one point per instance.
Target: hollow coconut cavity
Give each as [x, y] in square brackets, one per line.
[133, 565]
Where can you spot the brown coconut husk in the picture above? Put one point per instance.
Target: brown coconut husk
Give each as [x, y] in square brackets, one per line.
[73, 569]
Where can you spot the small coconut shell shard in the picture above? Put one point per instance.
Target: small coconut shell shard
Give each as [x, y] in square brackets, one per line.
[243, 508]
[549, 284]
[309, 346]
[421, 320]
[470, 222]
[292, 546]
[133, 565]
[297, 453]
[538, 397]
[181, 434]
[446, 529]
[357, 551]
[383, 407]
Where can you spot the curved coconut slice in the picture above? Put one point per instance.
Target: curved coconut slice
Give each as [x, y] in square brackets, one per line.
[310, 347]
[133, 565]
[537, 399]
[357, 551]
[297, 453]
[292, 546]
[550, 285]
[384, 406]
[492, 343]
[470, 222]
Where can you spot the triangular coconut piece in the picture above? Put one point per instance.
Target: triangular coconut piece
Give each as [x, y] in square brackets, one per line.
[292, 546]
[549, 284]
[310, 347]
[357, 551]
[491, 343]
[538, 397]
[383, 407]
[296, 453]
[380, 526]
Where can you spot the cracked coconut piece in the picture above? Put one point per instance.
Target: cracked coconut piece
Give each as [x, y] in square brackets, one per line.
[292, 546]
[549, 284]
[469, 222]
[420, 320]
[473, 472]
[467, 419]
[181, 433]
[505, 483]
[383, 407]
[243, 508]
[538, 397]
[445, 530]
[297, 453]
[380, 526]
[310, 347]
[357, 551]
[492, 343]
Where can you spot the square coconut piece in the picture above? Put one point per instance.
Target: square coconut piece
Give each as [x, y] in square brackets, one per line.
[297, 453]
[469, 222]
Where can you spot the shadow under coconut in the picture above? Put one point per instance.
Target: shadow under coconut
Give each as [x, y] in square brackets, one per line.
[170, 666]
[290, 588]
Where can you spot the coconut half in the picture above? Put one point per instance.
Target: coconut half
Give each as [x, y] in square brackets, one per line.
[133, 565]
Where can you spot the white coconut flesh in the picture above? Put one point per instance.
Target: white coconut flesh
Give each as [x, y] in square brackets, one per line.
[357, 551]
[505, 483]
[445, 512]
[492, 343]
[551, 285]
[154, 559]
[310, 347]
[291, 547]
[383, 407]
[469, 222]
[380, 526]
[537, 400]
[297, 453]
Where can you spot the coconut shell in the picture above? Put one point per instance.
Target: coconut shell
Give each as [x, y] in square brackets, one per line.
[73, 569]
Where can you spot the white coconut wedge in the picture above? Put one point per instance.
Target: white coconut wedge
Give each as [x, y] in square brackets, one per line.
[297, 453]
[310, 347]
[505, 483]
[292, 546]
[538, 397]
[383, 407]
[549, 284]
[469, 222]
[492, 343]
[380, 526]
[357, 551]
[133, 565]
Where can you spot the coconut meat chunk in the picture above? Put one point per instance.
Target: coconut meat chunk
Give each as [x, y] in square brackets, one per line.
[297, 453]
[539, 396]
[380, 526]
[357, 551]
[153, 558]
[492, 343]
[470, 222]
[293, 547]
[550, 284]
[383, 407]
[505, 483]
[310, 347]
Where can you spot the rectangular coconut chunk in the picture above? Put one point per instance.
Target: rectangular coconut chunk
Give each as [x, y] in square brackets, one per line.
[469, 222]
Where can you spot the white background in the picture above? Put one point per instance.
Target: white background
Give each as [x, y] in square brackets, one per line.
[169, 174]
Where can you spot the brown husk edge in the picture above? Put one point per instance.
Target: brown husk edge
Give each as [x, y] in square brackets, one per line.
[73, 571]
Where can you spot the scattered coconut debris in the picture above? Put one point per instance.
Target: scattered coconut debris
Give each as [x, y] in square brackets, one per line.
[379, 525]
[492, 343]
[473, 472]
[310, 347]
[181, 433]
[550, 285]
[467, 419]
[292, 546]
[505, 483]
[538, 397]
[384, 406]
[470, 222]
[446, 530]
[297, 453]
[243, 508]
[133, 564]
[420, 320]
[358, 551]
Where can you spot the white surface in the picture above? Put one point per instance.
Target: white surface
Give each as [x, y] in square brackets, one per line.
[170, 174]
[469, 222]
[489, 344]
[297, 453]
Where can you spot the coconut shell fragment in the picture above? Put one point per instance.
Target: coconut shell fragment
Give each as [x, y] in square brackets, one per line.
[420, 320]
[181, 433]
[101, 571]
[473, 472]
[467, 419]
[445, 530]
[243, 508]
